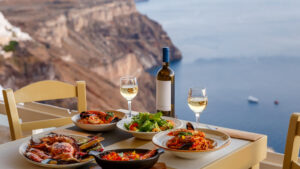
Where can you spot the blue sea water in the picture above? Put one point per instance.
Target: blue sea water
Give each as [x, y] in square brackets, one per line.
[236, 48]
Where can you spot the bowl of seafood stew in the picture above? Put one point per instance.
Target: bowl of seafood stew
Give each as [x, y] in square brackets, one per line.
[60, 151]
[98, 120]
[191, 144]
[128, 158]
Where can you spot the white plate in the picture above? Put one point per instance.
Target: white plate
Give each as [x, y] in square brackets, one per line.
[221, 140]
[146, 135]
[23, 147]
[97, 127]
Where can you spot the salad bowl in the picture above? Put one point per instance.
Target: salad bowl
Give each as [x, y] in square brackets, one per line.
[98, 127]
[146, 135]
[219, 139]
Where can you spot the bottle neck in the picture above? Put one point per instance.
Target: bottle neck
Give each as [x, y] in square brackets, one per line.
[165, 64]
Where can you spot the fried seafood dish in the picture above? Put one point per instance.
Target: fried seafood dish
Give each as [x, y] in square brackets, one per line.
[97, 117]
[189, 140]
[61, 149]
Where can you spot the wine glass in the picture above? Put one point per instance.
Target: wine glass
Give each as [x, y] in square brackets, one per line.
[128, 89]
[197, 101]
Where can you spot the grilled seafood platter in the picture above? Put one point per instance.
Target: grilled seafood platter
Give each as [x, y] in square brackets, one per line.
[60, 151]
[93, 120]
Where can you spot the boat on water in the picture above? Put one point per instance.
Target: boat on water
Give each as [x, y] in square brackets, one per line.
[252, 99]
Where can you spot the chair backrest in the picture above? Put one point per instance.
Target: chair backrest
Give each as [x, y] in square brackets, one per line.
[292, 143]
[41, 91]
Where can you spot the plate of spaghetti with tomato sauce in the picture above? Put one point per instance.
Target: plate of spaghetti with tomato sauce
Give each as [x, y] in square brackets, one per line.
[191, 144]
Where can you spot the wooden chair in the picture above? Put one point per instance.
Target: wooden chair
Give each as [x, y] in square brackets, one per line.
[41, 91]
[290, 160]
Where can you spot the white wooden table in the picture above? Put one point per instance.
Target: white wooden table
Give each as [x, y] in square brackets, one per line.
[240, 154]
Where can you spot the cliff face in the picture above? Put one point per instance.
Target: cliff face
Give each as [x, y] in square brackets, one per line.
[93, 40]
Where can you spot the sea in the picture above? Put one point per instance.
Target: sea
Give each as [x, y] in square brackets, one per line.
[236, 49]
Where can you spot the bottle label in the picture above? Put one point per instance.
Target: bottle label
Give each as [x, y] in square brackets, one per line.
[163, 95]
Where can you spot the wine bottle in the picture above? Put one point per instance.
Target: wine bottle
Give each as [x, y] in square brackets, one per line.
[165, 87]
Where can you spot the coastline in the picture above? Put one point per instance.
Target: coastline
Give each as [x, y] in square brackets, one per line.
[234, 54]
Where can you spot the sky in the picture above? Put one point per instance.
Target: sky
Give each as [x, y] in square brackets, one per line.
[230, 28]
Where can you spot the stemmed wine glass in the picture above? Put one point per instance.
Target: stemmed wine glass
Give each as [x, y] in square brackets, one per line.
[197, 101]
[128, 89]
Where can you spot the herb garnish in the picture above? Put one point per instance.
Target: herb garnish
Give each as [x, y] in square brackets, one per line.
[121, 154]
[109, 115]
[185, 133]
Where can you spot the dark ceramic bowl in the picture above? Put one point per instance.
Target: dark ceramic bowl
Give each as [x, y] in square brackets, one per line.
[135, 164]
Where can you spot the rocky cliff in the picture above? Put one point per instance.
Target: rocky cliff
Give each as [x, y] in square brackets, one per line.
[93, 40]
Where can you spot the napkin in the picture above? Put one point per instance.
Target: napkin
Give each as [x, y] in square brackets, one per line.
[243, 135]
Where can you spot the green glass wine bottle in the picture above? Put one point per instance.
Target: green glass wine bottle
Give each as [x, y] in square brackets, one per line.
[165, 87]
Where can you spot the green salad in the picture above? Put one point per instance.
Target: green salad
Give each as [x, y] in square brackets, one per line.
[148, 122]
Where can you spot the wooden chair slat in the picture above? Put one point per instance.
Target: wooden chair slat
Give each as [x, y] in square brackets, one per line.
[12, 114]
[45, 90]
[81, 94]
[46, 108]
[298, 129]
[46, 123]
[292, 143]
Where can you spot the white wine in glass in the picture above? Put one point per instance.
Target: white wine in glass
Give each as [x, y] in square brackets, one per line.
[197, 101]
[128, 89]
[197, 104]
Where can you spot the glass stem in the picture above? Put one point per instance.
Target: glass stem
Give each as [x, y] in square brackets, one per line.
[129, 108]
[197, 118]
